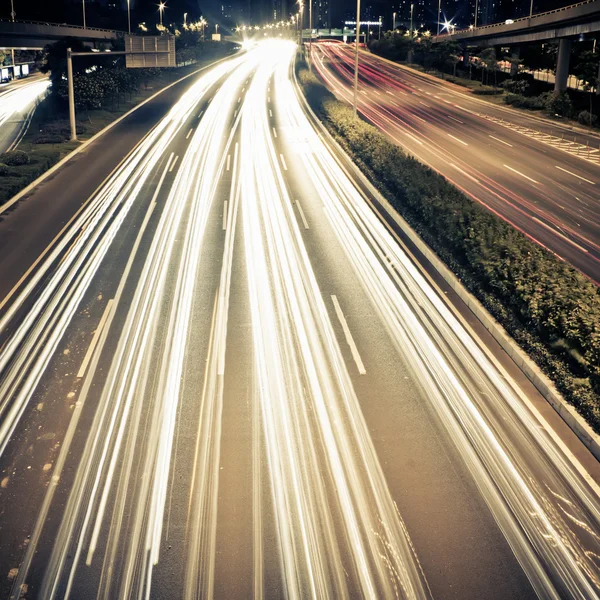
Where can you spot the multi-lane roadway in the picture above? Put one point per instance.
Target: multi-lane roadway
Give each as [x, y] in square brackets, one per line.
[541, 177]
[226, 378]
[18, 100]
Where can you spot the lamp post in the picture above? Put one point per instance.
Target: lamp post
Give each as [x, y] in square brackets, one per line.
[412, 8]
[129, 16]
[476, 11]
[310, 38]
[394, 21]
[531, 10]
[83, 5]
[356, 57]
[13, 14]
[161, 8]
[439, 15]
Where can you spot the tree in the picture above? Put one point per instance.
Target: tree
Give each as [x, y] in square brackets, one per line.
[489, 62]
[586, 69]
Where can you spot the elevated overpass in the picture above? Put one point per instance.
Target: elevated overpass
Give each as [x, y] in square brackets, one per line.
[563, 24]
[34, 35]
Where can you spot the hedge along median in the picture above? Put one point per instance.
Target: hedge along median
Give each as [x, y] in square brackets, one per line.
[549, 308]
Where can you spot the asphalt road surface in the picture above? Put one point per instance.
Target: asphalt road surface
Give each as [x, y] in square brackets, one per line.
[527, 171]
[226, 379]
[18, 101]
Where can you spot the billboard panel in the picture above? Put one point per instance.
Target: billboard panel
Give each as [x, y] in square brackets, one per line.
[149, 51]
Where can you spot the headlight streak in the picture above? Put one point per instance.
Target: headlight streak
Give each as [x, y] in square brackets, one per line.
[394, 122]
[81, 250]
[131, 387]
[120, 192]
[339, 532]
[15, 101]
[459, 379]
[308, 407]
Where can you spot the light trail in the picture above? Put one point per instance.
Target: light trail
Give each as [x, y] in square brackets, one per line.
[317, 482]
[17, 105]
[334, 64]
[459, 380]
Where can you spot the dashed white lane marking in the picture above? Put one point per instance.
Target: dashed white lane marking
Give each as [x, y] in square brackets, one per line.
[501, 141]
[304, 222]
[283, 162]
[95, 338]
[455, 138]
[189, 133]
[575, 175]
[349, 338]
[274, 132]
[521, 174]
[173, 164]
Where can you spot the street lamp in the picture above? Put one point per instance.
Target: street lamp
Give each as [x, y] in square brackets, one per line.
[394, 21]
[439, 15]
[356, 57]
[83, 5]
[13, 14]
[311, 32]
[161, 8]
[129, 17]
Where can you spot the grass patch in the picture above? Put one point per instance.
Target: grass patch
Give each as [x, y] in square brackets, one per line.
[550, 309]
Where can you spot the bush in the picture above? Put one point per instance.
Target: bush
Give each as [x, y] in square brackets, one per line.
[515, 86]
[550, 309]
[587, 118]
[487, 91]
[14, 158]
[528, 102]
[5, 170]
[558, 104]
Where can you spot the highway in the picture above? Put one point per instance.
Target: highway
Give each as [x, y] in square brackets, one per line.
[17, 103]
[225, 378]
[527, 171]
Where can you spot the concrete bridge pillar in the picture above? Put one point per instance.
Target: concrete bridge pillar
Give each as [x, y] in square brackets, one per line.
[515, 54]
[562, 65]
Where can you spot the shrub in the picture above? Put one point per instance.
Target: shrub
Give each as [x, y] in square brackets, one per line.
[487, 91]
[5, 170]
[515, 86]
[14, 158]
[550, 309]
[587, 118]
[558, 104]
[528, 102]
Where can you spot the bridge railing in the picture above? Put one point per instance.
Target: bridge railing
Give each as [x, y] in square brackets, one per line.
[520, 19]
[46, 24]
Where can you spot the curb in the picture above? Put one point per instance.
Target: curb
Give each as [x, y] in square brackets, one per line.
[541, 382]
[459, 89]
[19, 195]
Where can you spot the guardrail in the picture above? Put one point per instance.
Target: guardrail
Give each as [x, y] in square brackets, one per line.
[516, 21]
[45, 24]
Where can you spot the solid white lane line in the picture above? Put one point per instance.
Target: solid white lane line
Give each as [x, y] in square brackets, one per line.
[464, 173]
[501, 141]
[189, 133]
[228, 161]
[95, 338]
[349, 338]
[283, 162]
[455, 138]
[225, 215]
[455, 119]
[521, 174]
[575, 175]
[302, 215]
[173, 163]
[274, 132]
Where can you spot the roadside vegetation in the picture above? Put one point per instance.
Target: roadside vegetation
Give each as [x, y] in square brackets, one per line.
[480, 72]
[548, 307]
[104, 90]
